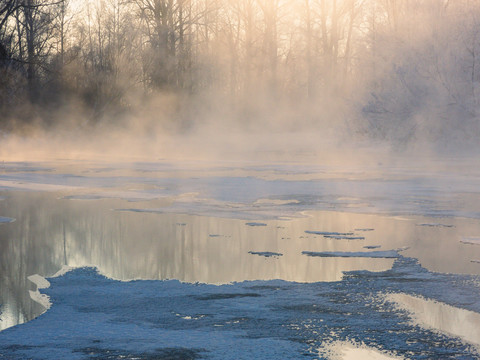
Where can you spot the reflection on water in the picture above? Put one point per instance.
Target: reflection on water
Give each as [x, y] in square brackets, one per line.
[51, 231]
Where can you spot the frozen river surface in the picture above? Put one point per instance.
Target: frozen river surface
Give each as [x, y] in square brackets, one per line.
[187, 261]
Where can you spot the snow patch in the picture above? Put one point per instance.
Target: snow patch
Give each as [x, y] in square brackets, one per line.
[346, 350]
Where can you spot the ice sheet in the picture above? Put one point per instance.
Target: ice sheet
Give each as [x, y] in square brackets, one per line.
[269, 190]
[157, 316]
[93, 316]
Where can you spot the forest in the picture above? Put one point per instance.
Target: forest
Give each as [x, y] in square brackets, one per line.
[393, 70]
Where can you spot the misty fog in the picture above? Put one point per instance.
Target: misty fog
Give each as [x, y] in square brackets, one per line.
[191, 78]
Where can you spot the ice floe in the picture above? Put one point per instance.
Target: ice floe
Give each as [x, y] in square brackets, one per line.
[344, 237]
[389, 254]
[255, 224]
[265, 253]
[471, 240]
[436, 225]
[276, 202]
[35, 295]
[5, 220]
[95, 317]
[40, 281]
[328, 233]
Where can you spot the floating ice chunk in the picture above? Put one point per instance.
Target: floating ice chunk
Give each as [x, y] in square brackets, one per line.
[436, 225]
[29, 184]
[344, 237]
[347, 198]
[439, 316]
[388, 254]
[328, 233]
[40, 281]
[84, 197]
[190, 317]
[4, 220]
[265, 253]
[255, 224]
[471, 240]
[153, 211]
[400, 218]
[275, 202]
[36, 296]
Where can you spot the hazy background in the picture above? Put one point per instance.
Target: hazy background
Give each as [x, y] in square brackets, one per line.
[162, 78]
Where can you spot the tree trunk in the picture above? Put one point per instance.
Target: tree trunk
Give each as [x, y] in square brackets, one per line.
[30, 38]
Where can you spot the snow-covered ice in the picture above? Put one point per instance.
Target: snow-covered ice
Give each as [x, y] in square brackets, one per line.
[208, 261]
[445, 318]
[92, 315]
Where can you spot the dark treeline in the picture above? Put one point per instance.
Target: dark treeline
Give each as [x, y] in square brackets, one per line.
[391, 69]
